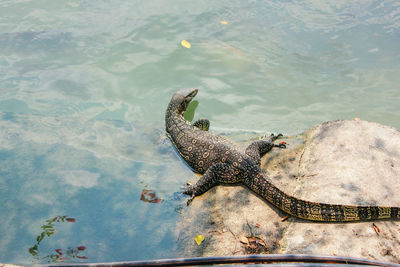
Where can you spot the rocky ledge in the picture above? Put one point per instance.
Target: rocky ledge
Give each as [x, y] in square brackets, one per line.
[339, 162]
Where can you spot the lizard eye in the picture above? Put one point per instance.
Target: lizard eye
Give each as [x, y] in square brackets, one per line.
[187, 101]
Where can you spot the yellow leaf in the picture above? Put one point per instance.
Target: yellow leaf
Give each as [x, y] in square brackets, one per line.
[224, 22]
[357, 119]
[199, 239]
[185, 43]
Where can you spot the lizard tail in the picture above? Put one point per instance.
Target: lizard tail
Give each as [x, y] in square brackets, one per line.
[315, 211]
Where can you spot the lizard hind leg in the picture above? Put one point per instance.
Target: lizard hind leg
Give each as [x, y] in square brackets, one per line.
[202, 124]
[218, 173]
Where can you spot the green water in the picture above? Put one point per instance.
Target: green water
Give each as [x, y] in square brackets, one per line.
[84, 86]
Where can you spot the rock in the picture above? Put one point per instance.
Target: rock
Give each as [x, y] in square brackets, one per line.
[339, 162]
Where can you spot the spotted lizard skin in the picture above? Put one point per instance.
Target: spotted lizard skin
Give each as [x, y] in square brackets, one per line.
[221, 162]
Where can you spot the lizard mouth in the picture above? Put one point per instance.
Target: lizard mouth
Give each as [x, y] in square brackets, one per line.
[190, 96]
[183, 97]
[187, 92]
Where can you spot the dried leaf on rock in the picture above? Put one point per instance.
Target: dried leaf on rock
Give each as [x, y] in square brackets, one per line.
[199, 239]
[256, 245]
[377, 230]
[244, 240]
[285, 218]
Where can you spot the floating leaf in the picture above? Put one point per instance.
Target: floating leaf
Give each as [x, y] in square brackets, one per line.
[71, 219]
[186, 44]
[149, 196]
[224, 22]
[82, 257]
[34, 250]
[40, 237]
[199, 239]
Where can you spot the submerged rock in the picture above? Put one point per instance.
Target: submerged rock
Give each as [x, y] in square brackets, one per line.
[339, 162]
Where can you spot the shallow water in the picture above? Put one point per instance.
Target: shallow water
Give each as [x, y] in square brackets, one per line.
[84, 86]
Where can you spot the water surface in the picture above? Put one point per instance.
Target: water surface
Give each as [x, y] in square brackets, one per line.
[84, 86]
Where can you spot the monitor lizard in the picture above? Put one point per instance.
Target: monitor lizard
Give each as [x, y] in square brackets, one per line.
[221, 162]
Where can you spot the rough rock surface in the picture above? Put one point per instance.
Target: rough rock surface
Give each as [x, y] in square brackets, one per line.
[339, 162]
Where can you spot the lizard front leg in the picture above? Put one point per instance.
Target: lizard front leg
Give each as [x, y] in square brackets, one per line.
[218, 173]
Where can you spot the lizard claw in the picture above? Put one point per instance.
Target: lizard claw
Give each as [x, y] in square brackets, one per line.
[190, 200]
[185, 188]
[281, 145]
[188, 190]
[274, 137]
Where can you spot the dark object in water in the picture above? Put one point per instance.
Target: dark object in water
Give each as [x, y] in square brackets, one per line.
[149, 196]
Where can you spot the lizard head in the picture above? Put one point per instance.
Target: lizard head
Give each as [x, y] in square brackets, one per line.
[183, 97]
